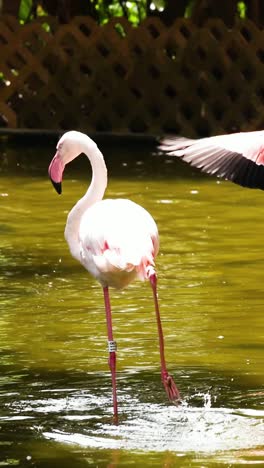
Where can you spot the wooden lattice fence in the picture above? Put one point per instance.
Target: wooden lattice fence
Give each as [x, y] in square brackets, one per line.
[151, 79]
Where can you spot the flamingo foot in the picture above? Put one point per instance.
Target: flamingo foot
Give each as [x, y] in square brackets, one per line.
[170, 387]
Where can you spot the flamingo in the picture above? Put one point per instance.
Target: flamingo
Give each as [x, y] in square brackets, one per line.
[238, 157]
[115, 240]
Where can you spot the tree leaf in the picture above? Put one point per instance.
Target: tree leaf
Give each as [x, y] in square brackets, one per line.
[24, 10]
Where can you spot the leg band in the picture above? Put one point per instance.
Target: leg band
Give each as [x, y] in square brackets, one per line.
[112, 346]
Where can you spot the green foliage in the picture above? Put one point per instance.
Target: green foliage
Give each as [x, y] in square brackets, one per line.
[25, 10]
[189, 9]
[25, 13]
[242, 9]
[134, 10]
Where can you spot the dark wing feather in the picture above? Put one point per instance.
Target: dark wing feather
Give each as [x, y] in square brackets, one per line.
[215, 160]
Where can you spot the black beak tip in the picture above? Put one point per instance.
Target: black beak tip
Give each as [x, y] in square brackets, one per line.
[57, 186]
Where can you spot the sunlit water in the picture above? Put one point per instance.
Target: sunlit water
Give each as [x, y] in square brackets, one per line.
[55, 389]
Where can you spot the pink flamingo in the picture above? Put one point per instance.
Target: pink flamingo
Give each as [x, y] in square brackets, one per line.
[115, 240]
[238, 157]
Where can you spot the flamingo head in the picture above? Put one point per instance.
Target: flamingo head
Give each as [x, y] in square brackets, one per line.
[68, 148]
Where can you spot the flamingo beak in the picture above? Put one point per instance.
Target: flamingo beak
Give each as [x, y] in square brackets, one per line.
[55, 171]
[57, 186]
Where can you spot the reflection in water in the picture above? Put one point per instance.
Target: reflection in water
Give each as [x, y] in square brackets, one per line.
[55, 389]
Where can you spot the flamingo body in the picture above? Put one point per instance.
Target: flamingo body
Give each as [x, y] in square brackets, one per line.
[118, 242]
[115, 240]
[238, 157]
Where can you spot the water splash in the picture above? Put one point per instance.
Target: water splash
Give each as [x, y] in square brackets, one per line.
[85, 419]
[160, 428]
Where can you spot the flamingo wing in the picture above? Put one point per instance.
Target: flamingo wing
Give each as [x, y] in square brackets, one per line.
[237, 157]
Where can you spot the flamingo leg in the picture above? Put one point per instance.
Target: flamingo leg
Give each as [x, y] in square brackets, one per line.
[112, 349]
[167, 380]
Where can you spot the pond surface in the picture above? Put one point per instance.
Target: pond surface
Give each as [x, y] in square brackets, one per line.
[55, 388]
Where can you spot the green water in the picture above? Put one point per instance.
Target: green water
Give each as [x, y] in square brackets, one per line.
[55, 388]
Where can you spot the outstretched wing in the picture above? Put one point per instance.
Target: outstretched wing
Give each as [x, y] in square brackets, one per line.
[237, 157]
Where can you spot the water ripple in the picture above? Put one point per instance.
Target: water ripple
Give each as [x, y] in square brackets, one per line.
[155, 428]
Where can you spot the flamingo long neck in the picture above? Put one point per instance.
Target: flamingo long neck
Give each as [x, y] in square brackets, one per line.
[94, 194]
